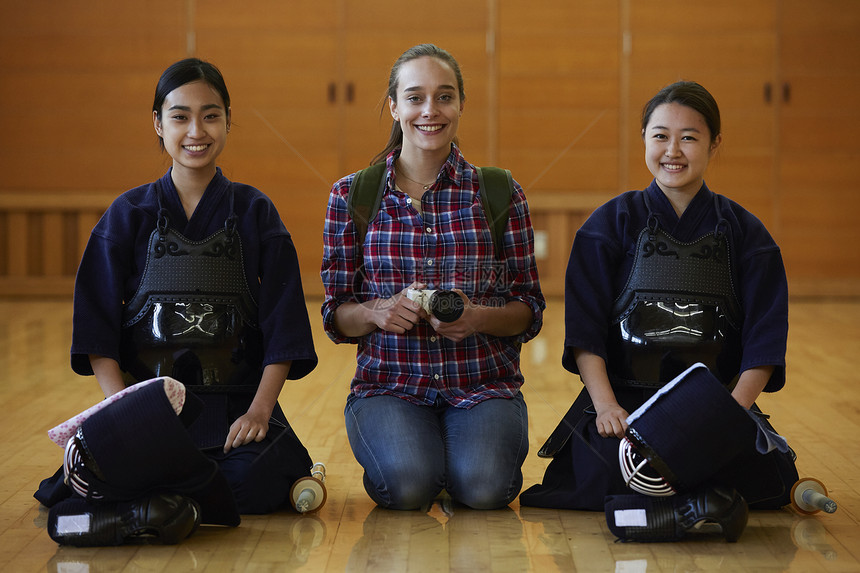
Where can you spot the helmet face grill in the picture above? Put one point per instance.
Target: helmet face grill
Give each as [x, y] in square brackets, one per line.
[74, 460]
[638, 473]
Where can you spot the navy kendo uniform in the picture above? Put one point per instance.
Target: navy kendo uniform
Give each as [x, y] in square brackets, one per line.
[208, 301]
[653, 294]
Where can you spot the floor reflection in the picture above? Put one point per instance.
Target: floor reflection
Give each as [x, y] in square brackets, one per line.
[809, 533]
[285, 542]
[446, 536]
[773, 541]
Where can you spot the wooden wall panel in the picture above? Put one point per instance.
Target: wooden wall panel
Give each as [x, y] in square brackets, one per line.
[557, 217]
[734, 58]
[819, 183]
[559, 94]
[554, 92]
[268, 16]
[555, 171]
[42, 236]
[17, 261]
[703, 19]
[77, 84]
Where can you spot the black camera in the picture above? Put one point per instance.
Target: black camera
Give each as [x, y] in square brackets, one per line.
[446, 305]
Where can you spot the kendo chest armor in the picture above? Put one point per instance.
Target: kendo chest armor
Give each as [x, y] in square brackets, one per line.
[678, 307]
[193, 316]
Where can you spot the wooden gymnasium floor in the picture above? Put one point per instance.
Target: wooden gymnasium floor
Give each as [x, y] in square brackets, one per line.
[819, 412]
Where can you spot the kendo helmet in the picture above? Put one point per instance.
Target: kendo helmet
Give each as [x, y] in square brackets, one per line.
[683, 435]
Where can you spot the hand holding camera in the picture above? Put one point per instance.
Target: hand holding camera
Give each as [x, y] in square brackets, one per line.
[446, 305]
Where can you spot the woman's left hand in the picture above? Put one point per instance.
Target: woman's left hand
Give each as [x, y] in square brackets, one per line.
[509, 319]
[463, 327]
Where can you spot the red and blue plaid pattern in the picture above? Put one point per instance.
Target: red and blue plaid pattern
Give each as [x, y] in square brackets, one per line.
[448, 245]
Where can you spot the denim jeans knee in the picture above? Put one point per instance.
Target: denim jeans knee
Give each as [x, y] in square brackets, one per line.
[410, 453]
[486, 448]
[399, 445]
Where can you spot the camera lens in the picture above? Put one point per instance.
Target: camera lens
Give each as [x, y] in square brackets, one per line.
[446, 305]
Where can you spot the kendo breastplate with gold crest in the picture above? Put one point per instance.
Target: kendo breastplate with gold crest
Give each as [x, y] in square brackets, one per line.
[678, 307]
[193, 316]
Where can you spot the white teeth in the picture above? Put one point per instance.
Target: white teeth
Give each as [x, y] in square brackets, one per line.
[429, 127]
[196, 147]
[672, 167]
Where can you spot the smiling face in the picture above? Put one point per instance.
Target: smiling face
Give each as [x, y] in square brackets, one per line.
[678, 148]
[428, 106]
[193, 126]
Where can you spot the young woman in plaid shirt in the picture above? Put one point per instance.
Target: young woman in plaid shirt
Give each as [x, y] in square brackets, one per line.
[433, 405]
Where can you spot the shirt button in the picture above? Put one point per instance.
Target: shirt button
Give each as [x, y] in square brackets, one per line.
[429, 230]
[435, 376]
[429, 262]
[409, 200]
[432, 339]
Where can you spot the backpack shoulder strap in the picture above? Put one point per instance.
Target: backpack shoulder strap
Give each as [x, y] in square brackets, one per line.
[365, 196]
[497, 186]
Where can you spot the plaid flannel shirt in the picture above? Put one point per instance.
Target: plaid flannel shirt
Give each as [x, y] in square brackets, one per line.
[447, 245]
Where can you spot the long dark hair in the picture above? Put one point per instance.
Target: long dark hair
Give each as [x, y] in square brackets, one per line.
[395, 140]
[184, 72]
[691, 95]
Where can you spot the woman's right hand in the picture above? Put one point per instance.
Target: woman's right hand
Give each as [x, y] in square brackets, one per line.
[611, 421]
[397, 314]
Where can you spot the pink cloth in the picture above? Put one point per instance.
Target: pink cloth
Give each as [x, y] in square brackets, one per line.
[174, 390]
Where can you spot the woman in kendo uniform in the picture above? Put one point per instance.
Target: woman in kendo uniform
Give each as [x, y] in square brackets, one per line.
[658, 280]
[195, 277]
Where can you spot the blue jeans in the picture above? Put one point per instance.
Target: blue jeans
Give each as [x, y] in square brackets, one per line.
[410, 453]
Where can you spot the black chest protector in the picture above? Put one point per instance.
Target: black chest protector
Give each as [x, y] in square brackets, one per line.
[193, 316]
[678, 307]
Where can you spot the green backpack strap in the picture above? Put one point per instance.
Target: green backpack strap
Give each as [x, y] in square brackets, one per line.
[496, 186]
[365, 196]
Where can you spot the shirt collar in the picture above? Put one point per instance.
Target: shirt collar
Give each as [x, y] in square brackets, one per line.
[452, 170]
